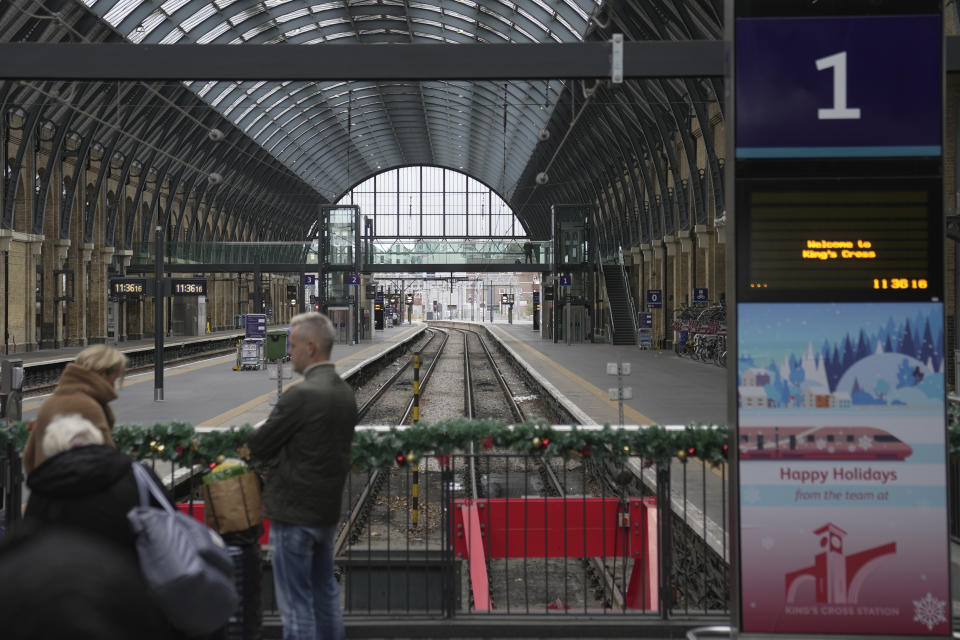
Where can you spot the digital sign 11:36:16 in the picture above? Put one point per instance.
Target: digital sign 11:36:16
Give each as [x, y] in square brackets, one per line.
[189, 288]
[899, 283]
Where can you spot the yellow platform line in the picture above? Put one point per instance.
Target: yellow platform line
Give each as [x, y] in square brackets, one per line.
[250, 404]
[142, 378]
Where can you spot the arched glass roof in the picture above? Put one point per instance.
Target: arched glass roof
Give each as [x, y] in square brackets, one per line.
[332, 134]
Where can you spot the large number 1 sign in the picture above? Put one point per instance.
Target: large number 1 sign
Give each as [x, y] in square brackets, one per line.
[838, 395]
[839, 110]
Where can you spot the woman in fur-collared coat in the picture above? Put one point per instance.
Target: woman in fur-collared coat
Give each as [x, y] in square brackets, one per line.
[86, 387]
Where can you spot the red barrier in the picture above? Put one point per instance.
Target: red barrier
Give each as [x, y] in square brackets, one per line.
[198, 512]
[560, 528]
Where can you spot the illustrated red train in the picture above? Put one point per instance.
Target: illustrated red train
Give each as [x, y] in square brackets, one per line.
[820, 443]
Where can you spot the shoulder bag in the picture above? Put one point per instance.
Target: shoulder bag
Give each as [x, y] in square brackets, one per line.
[185, 564]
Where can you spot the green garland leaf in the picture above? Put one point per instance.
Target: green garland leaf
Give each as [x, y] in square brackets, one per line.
[180, 442]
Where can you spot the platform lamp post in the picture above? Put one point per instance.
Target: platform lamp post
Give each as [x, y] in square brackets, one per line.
[158, 302]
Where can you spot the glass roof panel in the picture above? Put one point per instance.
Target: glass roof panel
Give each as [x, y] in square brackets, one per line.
[246, 14]
[214, 33]
[173, 37]
[146, 27]
[390, 123]
[293, 15]
[170, 6]
[191, 23]
[120, 11]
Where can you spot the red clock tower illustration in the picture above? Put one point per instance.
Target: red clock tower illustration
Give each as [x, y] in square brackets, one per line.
[837, 578]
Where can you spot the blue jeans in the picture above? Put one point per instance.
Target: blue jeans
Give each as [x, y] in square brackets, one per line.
[307, 593]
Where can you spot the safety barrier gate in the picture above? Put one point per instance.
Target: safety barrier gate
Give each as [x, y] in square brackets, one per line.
[577, 527]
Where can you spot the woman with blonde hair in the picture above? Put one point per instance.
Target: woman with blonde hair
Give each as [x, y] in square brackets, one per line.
[86, 387]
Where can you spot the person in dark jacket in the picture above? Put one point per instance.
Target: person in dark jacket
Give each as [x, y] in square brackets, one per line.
[305, 443]
[61, 583]
[85, 487]
[83, 483]
[86, 387]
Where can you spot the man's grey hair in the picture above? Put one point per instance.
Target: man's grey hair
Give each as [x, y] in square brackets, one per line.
[317, 327]
[67, 431]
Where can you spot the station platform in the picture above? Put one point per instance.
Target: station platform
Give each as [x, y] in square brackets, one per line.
[667, 389]
[208, 392]
[51, 355]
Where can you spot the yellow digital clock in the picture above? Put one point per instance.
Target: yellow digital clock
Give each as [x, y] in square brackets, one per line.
[127, 286]
[900, 283]
[186, 287]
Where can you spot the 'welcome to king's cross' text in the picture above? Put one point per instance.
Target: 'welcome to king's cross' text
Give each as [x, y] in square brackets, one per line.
[820, 476]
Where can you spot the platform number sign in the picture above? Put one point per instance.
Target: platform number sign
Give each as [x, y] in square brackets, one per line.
[859, 86]
[701, 295]
[309, 279]
[564, 281]
[354, 279]
[654, 298]
[840, 462]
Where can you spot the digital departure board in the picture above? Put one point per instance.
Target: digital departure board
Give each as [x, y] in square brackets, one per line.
[189, 287]
[128, 287]
[856, 240]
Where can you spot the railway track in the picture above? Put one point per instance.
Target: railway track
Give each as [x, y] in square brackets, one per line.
[463, 377]
[42, 377]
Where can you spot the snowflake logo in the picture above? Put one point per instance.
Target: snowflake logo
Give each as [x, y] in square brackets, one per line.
[929, 611]
[821, 444]
[865, 442]
[751, 495]
[851, 448]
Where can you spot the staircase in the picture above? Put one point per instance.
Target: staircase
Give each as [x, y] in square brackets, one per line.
[624, 329]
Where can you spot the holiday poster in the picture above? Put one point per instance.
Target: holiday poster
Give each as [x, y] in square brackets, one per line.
[841, 436]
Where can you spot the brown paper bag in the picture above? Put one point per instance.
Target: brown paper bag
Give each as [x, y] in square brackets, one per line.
[233, 504]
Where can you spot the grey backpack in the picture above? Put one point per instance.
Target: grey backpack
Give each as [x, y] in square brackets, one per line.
[186, 565]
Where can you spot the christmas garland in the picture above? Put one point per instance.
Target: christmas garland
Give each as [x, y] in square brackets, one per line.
[181, 443]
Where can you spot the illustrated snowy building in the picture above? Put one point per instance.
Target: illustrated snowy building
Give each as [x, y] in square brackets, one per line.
[840, 400]
[755, 377]
[752, 396]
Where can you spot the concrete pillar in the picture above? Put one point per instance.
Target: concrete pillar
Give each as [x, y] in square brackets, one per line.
[6, 240]
[32, 324]
[672, 294]
[97, 301]
[77, 309]
[719, 265]
[686, 264]
[706, 274]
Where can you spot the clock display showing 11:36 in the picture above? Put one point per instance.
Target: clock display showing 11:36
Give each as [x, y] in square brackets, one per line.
[188, 287]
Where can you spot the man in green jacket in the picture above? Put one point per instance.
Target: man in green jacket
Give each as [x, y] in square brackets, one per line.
[305, 444]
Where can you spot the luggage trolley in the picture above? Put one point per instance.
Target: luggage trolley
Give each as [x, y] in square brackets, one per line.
[251, 354]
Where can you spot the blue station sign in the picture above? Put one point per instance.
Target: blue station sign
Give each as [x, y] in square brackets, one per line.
[838, 86]
[654, 298]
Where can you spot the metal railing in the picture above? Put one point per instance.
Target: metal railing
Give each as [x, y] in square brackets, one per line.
[584, 536]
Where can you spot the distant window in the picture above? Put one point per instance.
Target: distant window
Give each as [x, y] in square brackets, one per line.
[421, 201]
